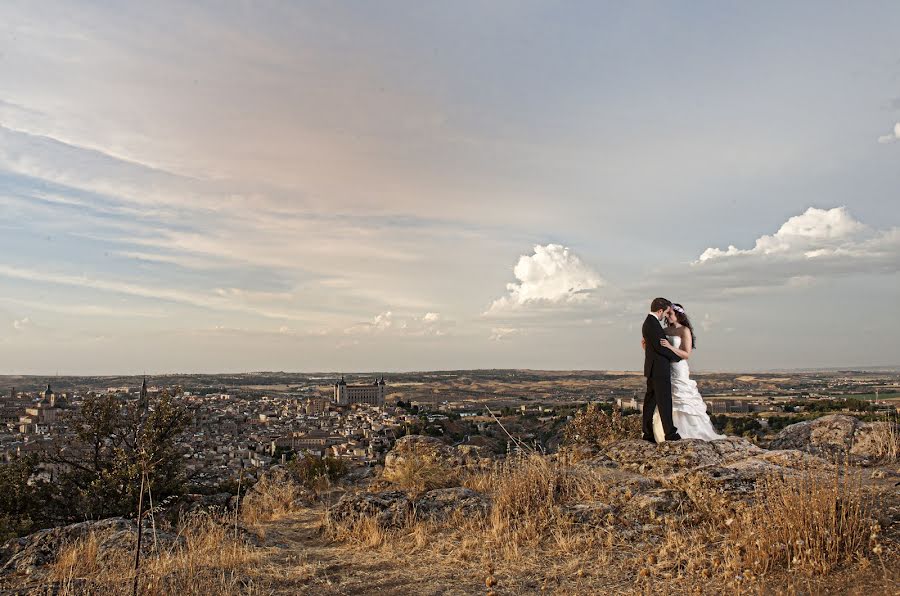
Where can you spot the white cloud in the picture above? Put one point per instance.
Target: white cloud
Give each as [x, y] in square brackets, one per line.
[501, 333]
[431, 323]
[816, 243]
[813, 232]
[552, 275]
[21, 324]
[892, 137]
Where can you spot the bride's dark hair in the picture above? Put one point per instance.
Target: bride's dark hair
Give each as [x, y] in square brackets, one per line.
[684, 320]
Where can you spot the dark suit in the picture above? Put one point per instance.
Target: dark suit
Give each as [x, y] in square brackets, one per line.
[658, 370]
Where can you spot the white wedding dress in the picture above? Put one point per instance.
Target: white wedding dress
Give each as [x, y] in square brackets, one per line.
[688, 408]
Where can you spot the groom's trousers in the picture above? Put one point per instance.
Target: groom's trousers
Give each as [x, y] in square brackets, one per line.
[659, 397]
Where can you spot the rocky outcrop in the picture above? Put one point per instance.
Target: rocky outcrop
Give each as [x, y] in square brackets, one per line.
[836, 436]
[419, 448]
[430, 450]
[32, 554]
[442, 503]
[732, 465]
[389, 508]
[395, 508]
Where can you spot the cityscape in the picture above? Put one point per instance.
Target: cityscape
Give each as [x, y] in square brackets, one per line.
[243, 424]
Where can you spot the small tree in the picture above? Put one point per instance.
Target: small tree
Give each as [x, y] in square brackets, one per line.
[113, 443]
[23, 498]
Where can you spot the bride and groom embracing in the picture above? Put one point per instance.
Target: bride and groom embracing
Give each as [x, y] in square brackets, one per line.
[672, 402]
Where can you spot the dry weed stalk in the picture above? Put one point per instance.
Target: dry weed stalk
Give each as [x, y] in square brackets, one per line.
[805, 522]
[886, 437]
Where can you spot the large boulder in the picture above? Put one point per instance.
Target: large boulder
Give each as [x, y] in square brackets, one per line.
[442, 503]
[837, 436]
[731, 465]
[420, 448]
[32, 554]
[388, 508]
[394, 508]
[665, 460]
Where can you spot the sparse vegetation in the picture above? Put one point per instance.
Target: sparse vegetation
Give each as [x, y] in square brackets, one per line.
[209, 560]
[420, 471]
[316, 472]
[593, 427]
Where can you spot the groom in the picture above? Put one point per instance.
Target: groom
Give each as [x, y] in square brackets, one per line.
[658, 370]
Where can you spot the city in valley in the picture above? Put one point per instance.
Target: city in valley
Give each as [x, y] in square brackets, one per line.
[241, 424]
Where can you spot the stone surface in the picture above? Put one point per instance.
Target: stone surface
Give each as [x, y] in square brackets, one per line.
[395, 508]
[389, 508]
[444, 502]
[32, 554]
[427, 449]
[663, 461]
[834, 436]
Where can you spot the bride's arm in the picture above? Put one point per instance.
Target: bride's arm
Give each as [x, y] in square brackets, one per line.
[687, 342]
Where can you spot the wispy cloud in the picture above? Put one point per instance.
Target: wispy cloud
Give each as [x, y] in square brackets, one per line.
[211, 301]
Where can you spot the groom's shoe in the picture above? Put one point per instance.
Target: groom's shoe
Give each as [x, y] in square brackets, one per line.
[649, 439]
[675, 437]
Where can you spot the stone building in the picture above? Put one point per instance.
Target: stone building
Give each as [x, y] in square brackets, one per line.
[346, 395]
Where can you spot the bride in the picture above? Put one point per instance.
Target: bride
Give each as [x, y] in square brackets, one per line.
[688, 407]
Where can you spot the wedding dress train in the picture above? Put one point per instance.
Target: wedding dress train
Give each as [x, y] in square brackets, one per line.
[688, 408]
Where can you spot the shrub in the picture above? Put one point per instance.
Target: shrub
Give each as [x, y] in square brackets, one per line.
[592, 427]
[314, 472]
[273, 496]
[420, 470]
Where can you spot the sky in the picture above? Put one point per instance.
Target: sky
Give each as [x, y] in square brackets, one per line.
[355, 186]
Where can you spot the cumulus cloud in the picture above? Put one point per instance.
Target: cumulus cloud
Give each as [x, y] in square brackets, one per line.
[552, 275]
[20, 324]
[816, 243]
[891, 137]
[812, 232]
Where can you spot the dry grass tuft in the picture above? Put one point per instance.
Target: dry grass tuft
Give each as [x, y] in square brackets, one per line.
[420, 471]
[208, 561]
[592, 427]
[272, 497]
[805, 522]
[886, 439]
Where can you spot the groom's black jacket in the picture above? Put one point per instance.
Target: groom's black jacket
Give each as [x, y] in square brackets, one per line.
[656, 357]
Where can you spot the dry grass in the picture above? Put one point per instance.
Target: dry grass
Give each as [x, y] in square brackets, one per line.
[272, 497]
[419, 471]
[208, 561]
[886, 438]
[592, 427]
[805, 523]
[811, 523]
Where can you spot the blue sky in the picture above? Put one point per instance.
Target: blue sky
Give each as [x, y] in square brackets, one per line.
[407, 185]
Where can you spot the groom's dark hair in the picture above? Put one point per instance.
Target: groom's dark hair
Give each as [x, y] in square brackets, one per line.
[659, 304]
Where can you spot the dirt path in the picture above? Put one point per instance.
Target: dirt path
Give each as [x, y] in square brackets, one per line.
[307, 563]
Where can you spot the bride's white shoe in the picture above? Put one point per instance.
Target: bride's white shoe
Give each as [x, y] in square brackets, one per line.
[688, 408]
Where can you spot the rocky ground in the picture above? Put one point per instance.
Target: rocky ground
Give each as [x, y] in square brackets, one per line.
[630, 533]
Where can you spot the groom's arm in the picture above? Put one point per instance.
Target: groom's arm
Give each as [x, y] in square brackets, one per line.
[653, 338]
